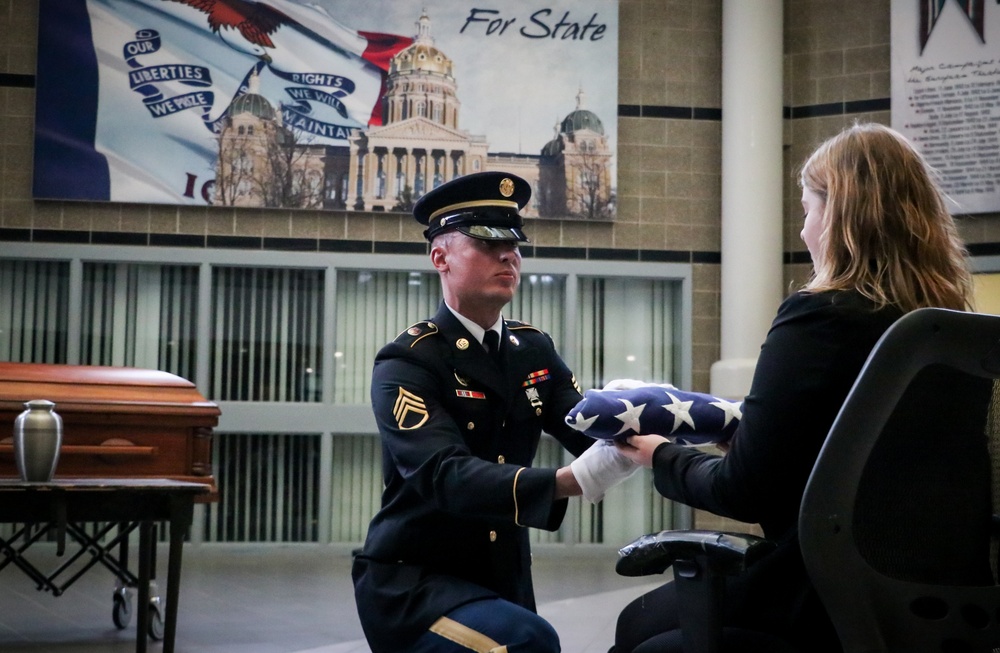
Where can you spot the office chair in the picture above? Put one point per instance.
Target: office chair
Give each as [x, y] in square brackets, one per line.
[896, 519]
[900, 496]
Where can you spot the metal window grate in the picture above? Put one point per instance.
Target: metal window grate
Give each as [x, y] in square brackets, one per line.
[373, 307]
[140, 316]
[34, 313]
[357, 485]
[626, 330]
[267, 334]
[269, 488]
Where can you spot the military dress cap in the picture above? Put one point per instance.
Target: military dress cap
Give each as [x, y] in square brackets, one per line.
[482, 205]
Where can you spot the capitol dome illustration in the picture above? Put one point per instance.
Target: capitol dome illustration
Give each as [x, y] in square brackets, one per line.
[575, 168]
[419, 145]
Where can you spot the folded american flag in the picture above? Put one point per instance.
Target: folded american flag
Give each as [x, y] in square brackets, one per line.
[622, 410]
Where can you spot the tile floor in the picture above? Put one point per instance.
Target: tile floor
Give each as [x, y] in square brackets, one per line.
[284, 599]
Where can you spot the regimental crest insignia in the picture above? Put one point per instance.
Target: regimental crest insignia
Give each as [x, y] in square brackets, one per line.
[410, 411]
[506, 187]
[415, 333]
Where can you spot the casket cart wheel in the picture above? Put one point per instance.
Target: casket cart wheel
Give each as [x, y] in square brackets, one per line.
[155, 619]
[121, 608]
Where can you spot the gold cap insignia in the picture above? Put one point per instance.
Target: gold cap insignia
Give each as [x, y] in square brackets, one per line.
[462, 344]
[409, 410]
[506, 187]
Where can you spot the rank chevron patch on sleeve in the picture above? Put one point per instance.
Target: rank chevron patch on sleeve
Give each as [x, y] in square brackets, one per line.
[410, 411]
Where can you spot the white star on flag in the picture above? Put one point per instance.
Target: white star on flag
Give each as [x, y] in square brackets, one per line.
[730, 408]
[584, 423]
[630, 418]
[681, 411]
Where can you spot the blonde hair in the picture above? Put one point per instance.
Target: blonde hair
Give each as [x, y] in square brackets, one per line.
[886, 231]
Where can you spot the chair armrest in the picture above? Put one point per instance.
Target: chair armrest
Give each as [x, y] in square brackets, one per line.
[728, 554]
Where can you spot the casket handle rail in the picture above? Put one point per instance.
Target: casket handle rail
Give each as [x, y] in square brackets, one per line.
[111, 448]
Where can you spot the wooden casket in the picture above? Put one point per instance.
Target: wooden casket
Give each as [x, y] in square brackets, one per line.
[117, 421]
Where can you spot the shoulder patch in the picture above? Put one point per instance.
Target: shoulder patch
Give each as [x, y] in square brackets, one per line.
[416, 333]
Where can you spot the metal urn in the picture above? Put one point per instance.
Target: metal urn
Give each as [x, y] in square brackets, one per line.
[37, 438]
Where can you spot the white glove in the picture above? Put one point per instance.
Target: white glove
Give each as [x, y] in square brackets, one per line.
[600, 468]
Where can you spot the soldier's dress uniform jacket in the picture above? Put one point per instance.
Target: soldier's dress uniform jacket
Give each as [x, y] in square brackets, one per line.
[459, 432]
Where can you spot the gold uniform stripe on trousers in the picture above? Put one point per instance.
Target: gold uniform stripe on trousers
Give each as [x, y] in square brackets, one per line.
[465, 636]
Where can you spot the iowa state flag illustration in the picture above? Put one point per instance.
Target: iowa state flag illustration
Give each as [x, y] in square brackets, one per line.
[131, 93]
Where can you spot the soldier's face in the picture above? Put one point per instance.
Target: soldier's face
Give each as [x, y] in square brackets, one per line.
[476, 270]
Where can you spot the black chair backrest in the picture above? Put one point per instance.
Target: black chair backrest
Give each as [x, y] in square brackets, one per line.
[895, 522]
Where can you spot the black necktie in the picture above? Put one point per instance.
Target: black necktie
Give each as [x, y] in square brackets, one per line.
[491, 341]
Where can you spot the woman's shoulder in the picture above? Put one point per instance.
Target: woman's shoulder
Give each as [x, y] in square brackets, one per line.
[835, 300]
[838, 305]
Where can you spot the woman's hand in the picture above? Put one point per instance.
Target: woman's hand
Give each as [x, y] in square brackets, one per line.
[639, 448]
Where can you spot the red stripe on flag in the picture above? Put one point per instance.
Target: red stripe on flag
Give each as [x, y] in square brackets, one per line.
[379, 52]
[383, 47]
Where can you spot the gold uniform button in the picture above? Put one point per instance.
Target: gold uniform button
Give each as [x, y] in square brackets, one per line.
[493, 536]
[538, 411]
[470, 425]
[501, 459]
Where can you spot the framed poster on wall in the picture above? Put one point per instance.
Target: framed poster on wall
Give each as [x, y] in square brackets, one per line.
[351, 105]
[946, 93]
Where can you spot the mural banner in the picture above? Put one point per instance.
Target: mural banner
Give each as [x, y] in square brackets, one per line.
[359, 105]
[946, 93]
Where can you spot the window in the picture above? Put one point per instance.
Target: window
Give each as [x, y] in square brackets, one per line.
[139, 316]
[540, 301]
[626, 331]
[268, 484]
[373, 307]
[34, 303]
[266, 334]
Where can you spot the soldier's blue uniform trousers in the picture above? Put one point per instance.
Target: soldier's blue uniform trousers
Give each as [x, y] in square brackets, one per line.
[489, 626]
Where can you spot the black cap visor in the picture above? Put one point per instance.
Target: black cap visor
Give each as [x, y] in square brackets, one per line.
[485, 223]
[484, 232]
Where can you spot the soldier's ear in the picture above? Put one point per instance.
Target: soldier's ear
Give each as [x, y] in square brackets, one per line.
[439, 258]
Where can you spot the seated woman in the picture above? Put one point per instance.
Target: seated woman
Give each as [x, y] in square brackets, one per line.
[882, 243]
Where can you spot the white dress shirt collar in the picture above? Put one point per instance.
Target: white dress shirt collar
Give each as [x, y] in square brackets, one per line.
[477, 331]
